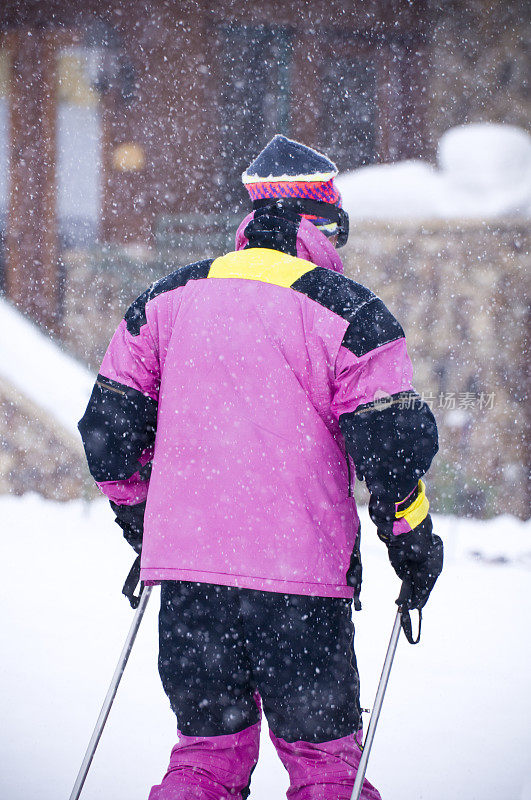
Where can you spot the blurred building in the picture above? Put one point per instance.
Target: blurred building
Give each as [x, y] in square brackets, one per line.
[115, 115]
[125, 126]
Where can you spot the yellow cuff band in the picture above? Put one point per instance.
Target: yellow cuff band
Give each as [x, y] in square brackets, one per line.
[418, 510]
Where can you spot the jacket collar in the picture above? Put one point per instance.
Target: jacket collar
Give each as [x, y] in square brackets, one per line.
[309, 243]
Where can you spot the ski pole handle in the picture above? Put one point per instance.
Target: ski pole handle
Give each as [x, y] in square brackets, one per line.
[131, 582]
[403, 597]
[405, 594]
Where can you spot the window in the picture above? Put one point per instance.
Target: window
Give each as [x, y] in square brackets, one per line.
[78, 149]
[370, 101]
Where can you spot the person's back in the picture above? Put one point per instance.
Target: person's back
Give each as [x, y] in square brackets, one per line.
[238, 380]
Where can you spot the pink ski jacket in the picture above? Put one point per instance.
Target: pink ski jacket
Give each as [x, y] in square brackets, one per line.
[228, 379]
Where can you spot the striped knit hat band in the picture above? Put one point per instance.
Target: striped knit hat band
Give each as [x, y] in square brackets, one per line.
[312, 190]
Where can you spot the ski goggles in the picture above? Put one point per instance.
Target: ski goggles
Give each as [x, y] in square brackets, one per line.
[330, 219]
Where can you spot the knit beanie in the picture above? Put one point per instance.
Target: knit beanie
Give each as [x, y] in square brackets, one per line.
[289, 169]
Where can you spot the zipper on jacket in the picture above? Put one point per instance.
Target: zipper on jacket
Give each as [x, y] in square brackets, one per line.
[111, 388]
[349, 472]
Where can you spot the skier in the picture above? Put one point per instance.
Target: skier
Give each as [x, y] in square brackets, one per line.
[237, 401]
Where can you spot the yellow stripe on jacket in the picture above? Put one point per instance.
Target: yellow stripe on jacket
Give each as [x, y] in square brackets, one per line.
[260, 264]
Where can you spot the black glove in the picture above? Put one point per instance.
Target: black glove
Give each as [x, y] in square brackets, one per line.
[131, 521]
[417, 557]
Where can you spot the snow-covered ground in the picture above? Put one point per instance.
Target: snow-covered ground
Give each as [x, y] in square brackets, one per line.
[456, 719]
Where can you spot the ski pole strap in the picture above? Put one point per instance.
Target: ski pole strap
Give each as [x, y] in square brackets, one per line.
[405, 621]
[131, 582]
[405, 617]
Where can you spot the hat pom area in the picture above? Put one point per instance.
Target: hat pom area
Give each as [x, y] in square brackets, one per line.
[284, 160]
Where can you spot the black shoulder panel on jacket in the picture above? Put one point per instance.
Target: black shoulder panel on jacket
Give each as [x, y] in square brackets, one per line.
[392, 443]
[135, 316]
[333, 291]
[371, 324]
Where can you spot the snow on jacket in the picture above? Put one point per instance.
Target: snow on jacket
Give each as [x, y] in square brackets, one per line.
[231, 377]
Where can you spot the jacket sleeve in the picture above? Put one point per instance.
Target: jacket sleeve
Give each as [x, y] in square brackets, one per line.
[119, 425]
[389, 432]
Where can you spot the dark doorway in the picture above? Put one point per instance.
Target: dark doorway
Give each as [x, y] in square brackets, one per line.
[348, 111]
[255, 99]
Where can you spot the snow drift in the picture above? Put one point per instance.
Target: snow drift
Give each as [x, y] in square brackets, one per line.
[36, 366]
[484, 171]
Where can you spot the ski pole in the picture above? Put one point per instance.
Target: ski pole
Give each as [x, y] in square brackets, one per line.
[111, 694]
[382, 686]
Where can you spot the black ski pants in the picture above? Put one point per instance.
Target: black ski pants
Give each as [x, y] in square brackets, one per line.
[219, 645]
